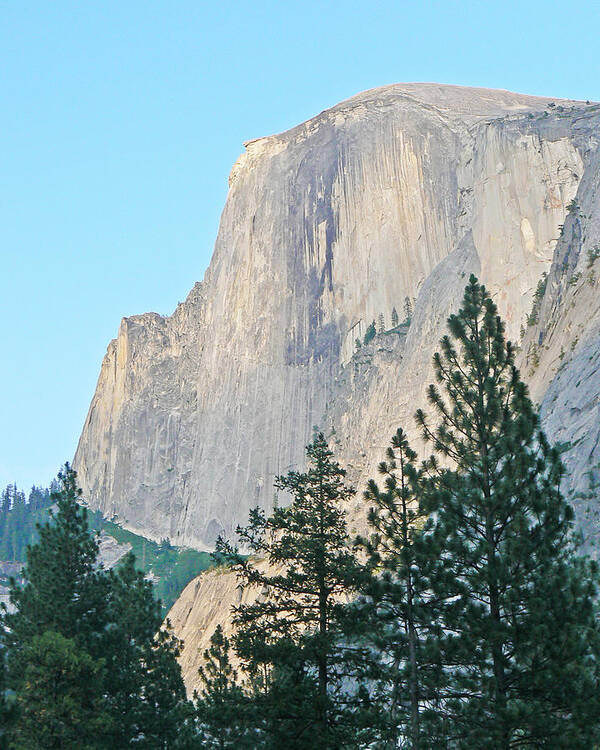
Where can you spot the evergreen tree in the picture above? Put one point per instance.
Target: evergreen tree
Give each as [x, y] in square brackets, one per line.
[381, 323]
[63, 592]
[104, 627]
[296, 625]
[18, 520]
[395, 615]
[6, 500]
[167, 718]
[6, 713]
[292, 696]
[59, 705]
[520, 626]
[370, 333]
[222, 708]
[143, 679]
[408, 311]
[395, 319]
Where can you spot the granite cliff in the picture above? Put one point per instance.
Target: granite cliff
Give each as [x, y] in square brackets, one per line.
[398, 192]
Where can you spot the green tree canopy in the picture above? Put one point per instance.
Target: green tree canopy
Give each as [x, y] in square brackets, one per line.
[520, 624]
[394, 618]
[370, 333]
[296, 624]
[83, 623]
[58, 703]
[222, 707]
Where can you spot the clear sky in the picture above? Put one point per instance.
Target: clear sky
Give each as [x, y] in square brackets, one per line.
[120, 121]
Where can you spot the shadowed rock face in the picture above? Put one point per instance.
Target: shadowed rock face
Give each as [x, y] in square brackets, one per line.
[398, 192]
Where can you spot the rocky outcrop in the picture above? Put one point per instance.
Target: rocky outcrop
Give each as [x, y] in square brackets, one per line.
[110, 551]
[561, 349]
[205, 603]
[398, 192]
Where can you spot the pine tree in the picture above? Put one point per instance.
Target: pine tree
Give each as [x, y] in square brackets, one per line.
[63, 591]
[222, 708]
[6, 712]
[167, 717]
[6, 500]
[519, 620]
[59, 705]
[395, 614]
[296, 625]
[381, 323]
[370, 333]
[102, 625]
[143, 684]
[18, 520]
[408, 311]
[395, 319]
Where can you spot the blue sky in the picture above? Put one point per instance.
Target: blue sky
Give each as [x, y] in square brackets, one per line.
[121, 120]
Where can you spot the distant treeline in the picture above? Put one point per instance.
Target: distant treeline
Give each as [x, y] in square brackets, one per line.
[171, 568]
[18, 518]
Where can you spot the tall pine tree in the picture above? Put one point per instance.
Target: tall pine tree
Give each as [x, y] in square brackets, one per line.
[520, 626]
[6, 711]
[296, 624]
[143, 684]
[65, 591]
[395, 614]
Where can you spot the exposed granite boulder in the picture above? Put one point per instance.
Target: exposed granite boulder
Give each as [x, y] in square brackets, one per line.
[110, 551]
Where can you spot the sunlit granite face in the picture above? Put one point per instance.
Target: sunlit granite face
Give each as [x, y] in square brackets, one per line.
[398, 192]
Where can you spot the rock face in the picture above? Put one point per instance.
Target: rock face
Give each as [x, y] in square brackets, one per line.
[205, 603]
[398, 192]
[110, 551]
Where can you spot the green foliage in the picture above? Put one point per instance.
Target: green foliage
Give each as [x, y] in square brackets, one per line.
[408, 311]
[222, 707]
[370, 333]
[18, 520]
[6, 710]
[533, 358]
[79, 623]
[174, 567]
[519, 623]
[538, 296]
[395, 616]
[143, 680]
[593, 256]
[288, 641]
[573, 206]
[59, 705]
[62, 591]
